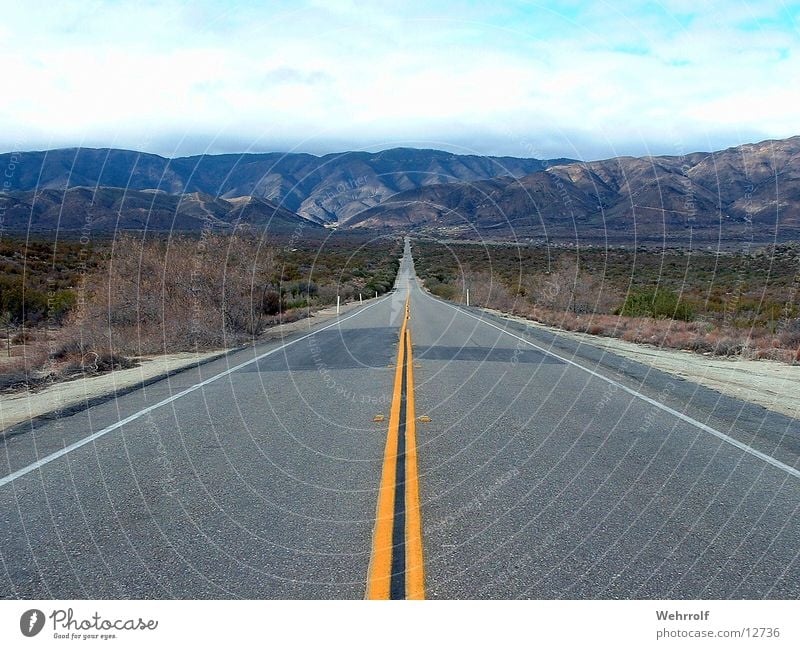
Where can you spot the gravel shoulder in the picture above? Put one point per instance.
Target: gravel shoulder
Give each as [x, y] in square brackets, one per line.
[770, 384]
[66, 397]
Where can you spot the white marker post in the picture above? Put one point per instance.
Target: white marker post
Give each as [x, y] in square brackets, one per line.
[467, 297]
[337, 305]
[376, 294]
[360, 299]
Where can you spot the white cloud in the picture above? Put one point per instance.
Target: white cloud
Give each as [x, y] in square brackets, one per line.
[586, 80]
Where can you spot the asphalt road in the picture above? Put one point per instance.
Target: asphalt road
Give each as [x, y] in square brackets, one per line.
[547, 470]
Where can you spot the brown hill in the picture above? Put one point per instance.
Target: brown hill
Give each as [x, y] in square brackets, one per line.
[107, 209]
[746, 193]
[326, 189]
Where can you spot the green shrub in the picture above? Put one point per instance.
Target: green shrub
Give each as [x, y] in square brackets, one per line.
[655, 303]
[61, 304]
[444, 290]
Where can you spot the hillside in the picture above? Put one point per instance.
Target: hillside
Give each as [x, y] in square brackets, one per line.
[325, 189]
[741, 194]
[745, 194]
[108, 209]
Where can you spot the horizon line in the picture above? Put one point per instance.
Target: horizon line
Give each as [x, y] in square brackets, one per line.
[397, 148]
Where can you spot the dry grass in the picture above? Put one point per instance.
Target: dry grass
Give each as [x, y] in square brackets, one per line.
[576, 314]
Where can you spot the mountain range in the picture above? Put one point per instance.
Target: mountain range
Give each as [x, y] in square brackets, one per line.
[324, 189]
[745, 193]
[107, 209]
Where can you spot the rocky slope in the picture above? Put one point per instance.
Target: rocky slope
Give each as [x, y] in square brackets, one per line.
[330, 188]
[751, 192]
[108, 209]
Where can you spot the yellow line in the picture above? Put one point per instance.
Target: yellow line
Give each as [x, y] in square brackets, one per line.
[415, 567]
[380, 569]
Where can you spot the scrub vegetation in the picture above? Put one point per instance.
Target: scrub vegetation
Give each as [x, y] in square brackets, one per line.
[728, 304]
[72, 308]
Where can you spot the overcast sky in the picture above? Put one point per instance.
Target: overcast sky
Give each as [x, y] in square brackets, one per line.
[534, 79]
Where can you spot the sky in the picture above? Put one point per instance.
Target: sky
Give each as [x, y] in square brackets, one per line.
[574, 79]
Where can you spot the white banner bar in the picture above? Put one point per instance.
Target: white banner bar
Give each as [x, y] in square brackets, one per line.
[397, 624]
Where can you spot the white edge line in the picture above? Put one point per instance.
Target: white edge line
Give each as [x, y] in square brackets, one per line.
[82, 442]
[725, 438]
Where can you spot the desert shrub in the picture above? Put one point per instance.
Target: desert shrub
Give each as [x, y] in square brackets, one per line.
[138, 296]
[93, 362]
[60, 304]
[300, 288]
[728, 347]
[376, 285]
[655, 303]
[271, 301]
[701, 305]
[300, 303]
[568, 288]
[27, 370]
[444, 290]
[22, 304]
[782, 355]
[181, 294]
[381, 282]
[790, 334]
[22, 337]
[701, 345]
[488, 291]
[328, 293]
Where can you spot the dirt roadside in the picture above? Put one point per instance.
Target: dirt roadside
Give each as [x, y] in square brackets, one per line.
[66, 395]
[770, 384]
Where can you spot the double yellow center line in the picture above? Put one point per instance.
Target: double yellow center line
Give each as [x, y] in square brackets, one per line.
[396, 569]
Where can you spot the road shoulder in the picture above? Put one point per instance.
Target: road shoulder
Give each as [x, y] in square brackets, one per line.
[769, 384]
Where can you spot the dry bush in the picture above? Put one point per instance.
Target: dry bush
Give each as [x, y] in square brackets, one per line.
[485, 291]
[152, 296]
[732, 302]
[28, 369]
[183, 294]
[782, 355]
[567, 288]
[790, 335]
[23, 337]
[672, 334]
[575, 300]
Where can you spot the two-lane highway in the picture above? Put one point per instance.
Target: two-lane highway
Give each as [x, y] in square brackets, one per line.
[302, 469]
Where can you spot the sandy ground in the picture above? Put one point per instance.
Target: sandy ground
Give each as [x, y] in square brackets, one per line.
[19, 407]
[770, 384]
[15, 408]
